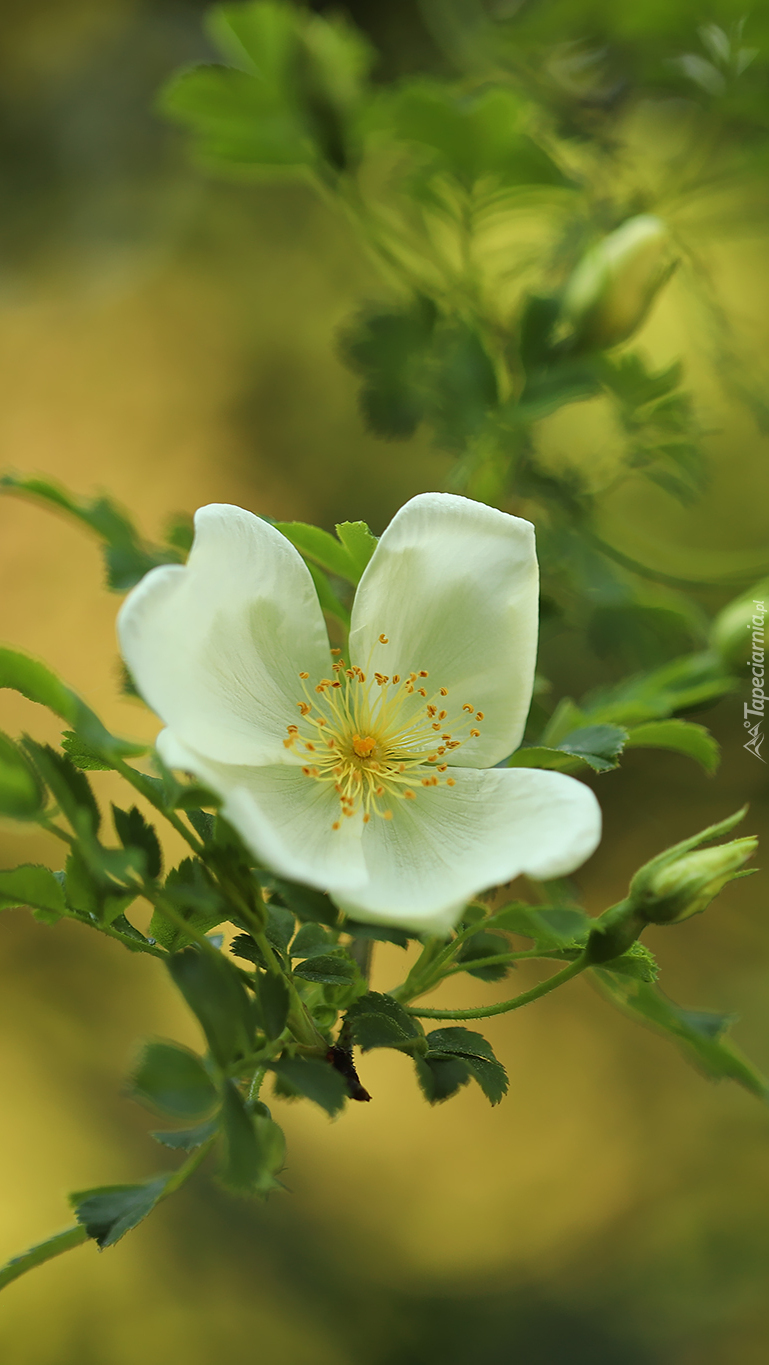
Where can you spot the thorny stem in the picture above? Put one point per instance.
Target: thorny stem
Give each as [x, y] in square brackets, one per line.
[504, 1007]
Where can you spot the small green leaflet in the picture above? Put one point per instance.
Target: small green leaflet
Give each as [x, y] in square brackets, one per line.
[315, 1080]
[173, 1081]
[37, 888]
[110, 1211]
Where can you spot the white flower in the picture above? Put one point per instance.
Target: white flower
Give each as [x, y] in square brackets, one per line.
[371, 776]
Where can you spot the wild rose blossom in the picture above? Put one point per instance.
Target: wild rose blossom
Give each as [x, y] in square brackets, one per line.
[371, 774]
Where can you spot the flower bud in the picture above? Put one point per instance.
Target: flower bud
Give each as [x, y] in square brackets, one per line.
[738, 630]
[668, 890]
[612, 288]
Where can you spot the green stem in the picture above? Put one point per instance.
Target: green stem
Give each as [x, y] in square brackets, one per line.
[485, 1012]
[135, 778]
[501, 959]
[44, 1251]
[76, 1236]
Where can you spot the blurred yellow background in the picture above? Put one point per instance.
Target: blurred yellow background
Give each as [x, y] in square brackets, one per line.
[171, 341]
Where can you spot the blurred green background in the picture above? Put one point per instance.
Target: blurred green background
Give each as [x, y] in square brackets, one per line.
[172, 340]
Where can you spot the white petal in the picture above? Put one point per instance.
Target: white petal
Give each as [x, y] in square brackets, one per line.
[216, 647]
[453, 586]
[283, 817]
[450, 843]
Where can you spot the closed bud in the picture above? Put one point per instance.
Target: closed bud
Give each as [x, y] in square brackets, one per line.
[613, 286]
[670, 889]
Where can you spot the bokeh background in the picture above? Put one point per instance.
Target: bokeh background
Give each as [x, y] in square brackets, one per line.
[172, 340]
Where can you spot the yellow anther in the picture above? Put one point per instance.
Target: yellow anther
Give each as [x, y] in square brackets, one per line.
[336, 825]
[444, 691]
[450, 782]
[336, 651]
[469, 708]
[387, 814]
[479, 715]
[304, 675]
[383, 640]
[423, 673]
[366, 818]
[442, 715]
[396, 678]
[474, 734]
[410, 795]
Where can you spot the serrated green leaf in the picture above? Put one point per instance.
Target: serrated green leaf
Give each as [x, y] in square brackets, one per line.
[317, 1081]
[70, 787]
[280, 927]
[551, 927]
[680, 735]
[316, 544]
[637, 962]
[377, 1020]
[109, 1211]
[440, 1077]
[82, 755]
[173, 1081]
[237, 120]
[213, 990]
[311, 940]
[133, 831]
[35, 887]
[477, 1054]
[358, 541]
[22, 795]
[700, 1034]
[332, 969]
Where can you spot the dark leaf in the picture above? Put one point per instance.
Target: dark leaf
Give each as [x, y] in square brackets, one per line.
[317, 1081]
[440, 1077]
[274, 1001]
[133, 831]
[483, 945]
[173, 1081]
[187, 1139]
[376, 1020]
[332, 969]
[255, 1148]
[22, 795]
[215, 994]
[110, 1211]
[36, 682]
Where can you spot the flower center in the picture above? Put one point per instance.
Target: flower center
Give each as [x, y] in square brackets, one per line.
[378, 739]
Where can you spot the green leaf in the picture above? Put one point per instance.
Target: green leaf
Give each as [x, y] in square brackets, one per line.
[358, 541]
[332, 969]
[133, 831]
[128, 558]
[255, 1148]
[317, 1081]
[313, 543]
[329, 602]
[680, 735]
[302, 901]
[380, 933]
[258, 38]
[440, 1077]
[391, 350]
[82, 755]
[311, 940]
[37, 888]
[70, 787]
[696, 680]
[476, 1053]
[238, 120]
[213, 990]
[110, 1211]
[173, 1081]
[280, 927]
[637, 962]
[551, 928]
[483, 945]
[36, 682]
[594, 746]
[274, 1002]
[187, 1139]
[22, 795]
[700, 1035]
[376, 1020]
[190, 890]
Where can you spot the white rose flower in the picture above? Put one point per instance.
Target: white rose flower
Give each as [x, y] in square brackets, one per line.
[369, 776]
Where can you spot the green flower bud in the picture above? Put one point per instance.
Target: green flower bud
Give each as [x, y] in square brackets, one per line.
[738, 631]
[612, 288]
[670, 889]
